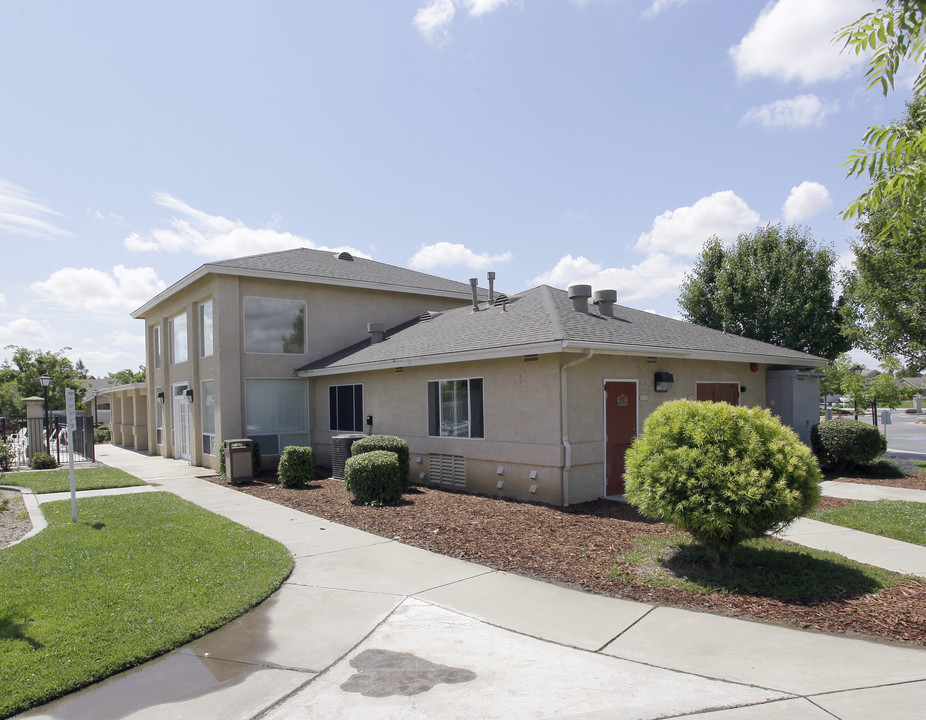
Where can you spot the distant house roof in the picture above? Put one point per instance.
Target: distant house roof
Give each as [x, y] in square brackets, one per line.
[917, 382]
[324, 267]
[543, 320]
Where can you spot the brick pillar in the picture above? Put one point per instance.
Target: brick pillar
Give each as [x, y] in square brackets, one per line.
[35, 427]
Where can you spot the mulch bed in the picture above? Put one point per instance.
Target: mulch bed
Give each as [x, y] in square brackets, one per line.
[14, 521]
[576, 547]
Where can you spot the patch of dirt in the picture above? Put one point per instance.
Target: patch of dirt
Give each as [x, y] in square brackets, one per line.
[913, 482]
[14, 520]
[578, 546]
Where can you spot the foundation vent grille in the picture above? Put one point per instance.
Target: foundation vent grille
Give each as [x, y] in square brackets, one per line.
[448, 471]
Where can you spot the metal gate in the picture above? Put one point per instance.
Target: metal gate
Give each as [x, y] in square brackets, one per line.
[82, 438]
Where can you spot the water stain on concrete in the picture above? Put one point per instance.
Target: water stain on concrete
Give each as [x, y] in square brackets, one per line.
[383, 673]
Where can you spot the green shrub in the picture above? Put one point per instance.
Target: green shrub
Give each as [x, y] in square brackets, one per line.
[373, 478]
[7, 456]
[43, 461]
[222, 461]
[385, 442]
[101, 434]
[723, 473]
[846, 443]
[297, 466]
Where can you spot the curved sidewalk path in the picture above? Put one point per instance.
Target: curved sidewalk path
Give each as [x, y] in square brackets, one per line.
[366, 627]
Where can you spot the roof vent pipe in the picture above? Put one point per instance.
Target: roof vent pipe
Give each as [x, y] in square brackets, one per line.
[473, 282]
[377, 332]
[605, 300]
[491, 276]
[579, 294]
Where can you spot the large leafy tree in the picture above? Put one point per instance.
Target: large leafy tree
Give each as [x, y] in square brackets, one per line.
[128, 376]
[893, 156]
[19, 378]
[774, 285]
[886, 292]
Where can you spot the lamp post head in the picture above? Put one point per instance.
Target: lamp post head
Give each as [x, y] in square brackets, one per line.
[45, 380]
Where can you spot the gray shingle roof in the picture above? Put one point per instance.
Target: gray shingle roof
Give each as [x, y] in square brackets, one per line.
[304, 263]
[545, 316]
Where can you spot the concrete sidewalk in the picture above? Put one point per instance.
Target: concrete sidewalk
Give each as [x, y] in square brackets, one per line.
[369, 628]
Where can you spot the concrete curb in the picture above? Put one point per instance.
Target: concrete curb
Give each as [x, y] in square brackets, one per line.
[36, 517]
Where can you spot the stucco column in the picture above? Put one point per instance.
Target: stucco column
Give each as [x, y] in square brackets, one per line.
[35, 410]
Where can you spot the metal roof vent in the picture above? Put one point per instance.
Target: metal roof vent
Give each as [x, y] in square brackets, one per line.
[579, 294]
[429, 315]
[377, 332]
[605, 300]
[501, 300]
[473, 282]
[491, 277]
[344, 255]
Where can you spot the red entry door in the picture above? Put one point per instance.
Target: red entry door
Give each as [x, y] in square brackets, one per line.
[719, 392]
[620, 403]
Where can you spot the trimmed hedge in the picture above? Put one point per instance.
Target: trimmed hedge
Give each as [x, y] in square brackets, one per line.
[723, 473]
[373, 478]
[297, 466]
[43, 461]
[385, 442]
[847, 443]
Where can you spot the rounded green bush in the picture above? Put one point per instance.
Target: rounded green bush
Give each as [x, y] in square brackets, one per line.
[297, 466]
[101, 434]
[373, 478]
[43, 461]
[723, 473]
[385, 442]
[847, 443]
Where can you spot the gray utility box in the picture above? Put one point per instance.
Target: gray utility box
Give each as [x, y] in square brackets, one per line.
[794, 396]
[340, 451]
[239, 467]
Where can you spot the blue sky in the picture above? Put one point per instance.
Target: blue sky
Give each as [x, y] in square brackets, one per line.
[597, 141]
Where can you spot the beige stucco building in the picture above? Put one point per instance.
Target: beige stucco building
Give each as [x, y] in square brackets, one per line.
[534, 396]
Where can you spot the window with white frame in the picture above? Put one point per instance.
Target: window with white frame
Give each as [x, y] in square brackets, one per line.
[277, 413]
[205, 329]
[345, 408]
[208, 405]
[156, 345]
[455, 408]
[159, 415]
[176, 327]
[274, 326]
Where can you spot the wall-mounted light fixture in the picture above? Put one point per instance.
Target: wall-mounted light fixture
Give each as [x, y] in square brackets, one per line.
[189, 394]
[160, 397]
[663, 381]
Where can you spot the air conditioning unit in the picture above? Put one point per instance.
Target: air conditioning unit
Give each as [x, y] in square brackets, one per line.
[340, 451]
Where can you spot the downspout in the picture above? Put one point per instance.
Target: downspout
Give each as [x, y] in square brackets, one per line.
[564, 420]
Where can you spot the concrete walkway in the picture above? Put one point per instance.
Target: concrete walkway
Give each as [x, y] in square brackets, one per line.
[366, 627]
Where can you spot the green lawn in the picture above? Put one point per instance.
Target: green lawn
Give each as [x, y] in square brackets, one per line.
[765, 567]
[49, 481]
[891, 518]
[137, 576]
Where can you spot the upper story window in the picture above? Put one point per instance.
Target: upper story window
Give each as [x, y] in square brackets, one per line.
[272, 325]
[205, 329]
[345, 407]
[156, 345]
[178, 339]
[455, 408]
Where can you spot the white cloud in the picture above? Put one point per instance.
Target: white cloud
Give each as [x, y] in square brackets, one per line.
[25, 332]
[683, 231]
[445, 254]
[656, 275]
[21, 214]
[800, 111]
[806, 200]
[213, 236]
[793, 40]
[434, 19]
[659, 5]
[98, 292]
[127, 339]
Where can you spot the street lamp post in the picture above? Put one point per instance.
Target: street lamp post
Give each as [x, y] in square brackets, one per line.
[45, 380]
[96, 394]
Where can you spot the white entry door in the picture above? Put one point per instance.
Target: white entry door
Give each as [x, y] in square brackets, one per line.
[182, 428]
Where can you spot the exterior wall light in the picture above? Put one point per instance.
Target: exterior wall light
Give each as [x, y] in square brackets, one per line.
[189, 394]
